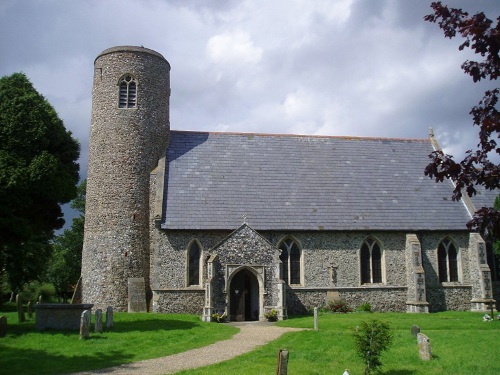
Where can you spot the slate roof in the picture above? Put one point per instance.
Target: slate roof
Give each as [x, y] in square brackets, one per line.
[291, 182]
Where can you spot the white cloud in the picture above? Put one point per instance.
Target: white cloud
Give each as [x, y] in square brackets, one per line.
[233, 48]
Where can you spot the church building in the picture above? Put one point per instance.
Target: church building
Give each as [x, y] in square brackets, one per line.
[205, 222]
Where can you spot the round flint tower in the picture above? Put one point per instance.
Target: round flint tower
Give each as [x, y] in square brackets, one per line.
[129, 132]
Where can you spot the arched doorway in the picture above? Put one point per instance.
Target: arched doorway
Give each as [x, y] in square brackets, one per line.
[244, 297]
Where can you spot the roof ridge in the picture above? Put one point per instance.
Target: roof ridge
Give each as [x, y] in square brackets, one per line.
[345, 137]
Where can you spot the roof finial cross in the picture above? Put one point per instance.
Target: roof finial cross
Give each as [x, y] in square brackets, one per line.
[244, 217]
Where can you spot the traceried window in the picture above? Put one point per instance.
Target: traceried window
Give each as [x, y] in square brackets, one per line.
[493, 262]
[290, 257]
[128, 92]
[447, 261]
[371, 262]
[194, 256]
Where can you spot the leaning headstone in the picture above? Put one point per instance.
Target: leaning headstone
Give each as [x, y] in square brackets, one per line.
[424, 347]
[3, 326]
[415, 330]
[85, 325]
[282, 362]
[30, 310]
[20, 310]
[315, 318]
[109, 317]
[98, 321]
[136, 294]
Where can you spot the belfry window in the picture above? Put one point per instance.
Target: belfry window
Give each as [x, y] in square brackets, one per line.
[447, 261]
[290, 258]
[371, 262]
[194, 256]
[128, 92]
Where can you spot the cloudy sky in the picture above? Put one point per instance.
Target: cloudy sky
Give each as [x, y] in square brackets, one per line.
[369, 68]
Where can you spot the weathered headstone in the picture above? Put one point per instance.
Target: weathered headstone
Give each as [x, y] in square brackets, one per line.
[98, 321]
[20, 309]
[415, 330]
[3, 326]
[40, 299]
[109, 317]
[30, 310]
[136, 294]
[282, 362]
[424, 347]
[315, 318]
[85, 325]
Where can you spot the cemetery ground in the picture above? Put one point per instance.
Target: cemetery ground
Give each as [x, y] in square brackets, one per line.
[461, 343]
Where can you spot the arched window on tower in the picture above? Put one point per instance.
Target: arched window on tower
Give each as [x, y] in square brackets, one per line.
[291, 259]
[447, 261]
[194, 256]
[371, 262]
[127, 92]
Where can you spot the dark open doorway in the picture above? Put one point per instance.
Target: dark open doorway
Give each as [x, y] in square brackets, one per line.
[244, 297]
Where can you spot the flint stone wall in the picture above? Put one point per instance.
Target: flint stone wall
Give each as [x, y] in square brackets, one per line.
[188, 301]
[323, 250]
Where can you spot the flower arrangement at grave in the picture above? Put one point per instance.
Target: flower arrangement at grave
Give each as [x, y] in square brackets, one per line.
[271, 316]
[219, 316]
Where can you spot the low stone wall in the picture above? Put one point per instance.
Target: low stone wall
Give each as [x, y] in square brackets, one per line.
[180, 301]
[386, 299]
[60, 315]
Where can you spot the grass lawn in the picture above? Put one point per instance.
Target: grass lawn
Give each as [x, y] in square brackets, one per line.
[461, 344]
[134, 337]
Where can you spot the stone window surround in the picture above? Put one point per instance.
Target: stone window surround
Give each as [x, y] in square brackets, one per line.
[123, 79]
[201, 264]
[301, 270]
[459, 262]
[382, 262]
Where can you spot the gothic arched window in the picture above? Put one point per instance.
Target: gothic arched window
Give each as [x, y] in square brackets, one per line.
[128, 92]
[447, 261]
[371, 262]
[290, 258]
[194, 256]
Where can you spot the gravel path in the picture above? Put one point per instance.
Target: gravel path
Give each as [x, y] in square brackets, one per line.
[251, 335]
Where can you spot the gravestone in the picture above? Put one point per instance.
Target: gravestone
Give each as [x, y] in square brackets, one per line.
[98, 321]
[3, 326]
[40, 299]
[136, 294]
[415, 330]
[30, 310]
[424, 347]
[20, 310]
[282, 362]
[315, 318]
[109, 317]
[85, 325]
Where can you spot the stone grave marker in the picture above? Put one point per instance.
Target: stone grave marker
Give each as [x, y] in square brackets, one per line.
[109, 317]
[20, 309]
[3, 326]
[98, 321]
[415, 330]
[424, 347]
[30, 310]
[282, 362]
[85, 325]
[315, 318]
[136, 294]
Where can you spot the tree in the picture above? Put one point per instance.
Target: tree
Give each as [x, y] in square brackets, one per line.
[65, 265]
[477, 168]
[38, 167]
[372, 338]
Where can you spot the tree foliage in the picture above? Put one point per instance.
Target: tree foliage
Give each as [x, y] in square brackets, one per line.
[372, 338]
[64, 267]
[38, 162]
[483, 38]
